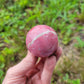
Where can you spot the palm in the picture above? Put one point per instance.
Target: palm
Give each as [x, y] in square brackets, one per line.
[30, 72]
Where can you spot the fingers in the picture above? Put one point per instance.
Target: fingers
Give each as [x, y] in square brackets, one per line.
[48, 70]
[31, 73]
[37, 77]
[38, 68]
[26, 64]
[41, 64]
[58, 53]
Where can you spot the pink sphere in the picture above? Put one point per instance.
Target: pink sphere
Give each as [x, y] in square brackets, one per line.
[42, 41]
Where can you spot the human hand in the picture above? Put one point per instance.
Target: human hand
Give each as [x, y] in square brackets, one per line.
[29, 71]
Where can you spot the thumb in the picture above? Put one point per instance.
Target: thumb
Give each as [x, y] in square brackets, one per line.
[26, 64]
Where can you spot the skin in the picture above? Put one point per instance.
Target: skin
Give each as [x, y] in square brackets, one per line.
[30, 71]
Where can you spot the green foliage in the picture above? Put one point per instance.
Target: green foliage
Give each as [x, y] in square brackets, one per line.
[58, 15]
[19, 16]
[81, 16]
[22, 3]
[69, 81]
[80, 43]
[2, 65]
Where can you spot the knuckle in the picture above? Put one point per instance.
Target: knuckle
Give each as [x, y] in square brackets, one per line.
[9, 70]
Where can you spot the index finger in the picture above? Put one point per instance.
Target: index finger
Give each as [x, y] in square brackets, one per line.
[26, 64]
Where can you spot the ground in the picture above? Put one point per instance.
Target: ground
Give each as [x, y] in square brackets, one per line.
[17, 17]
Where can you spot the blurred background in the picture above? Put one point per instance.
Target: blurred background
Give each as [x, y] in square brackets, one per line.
[17, 17]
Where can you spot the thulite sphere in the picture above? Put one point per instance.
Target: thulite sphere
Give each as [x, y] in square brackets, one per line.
[42, 41]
